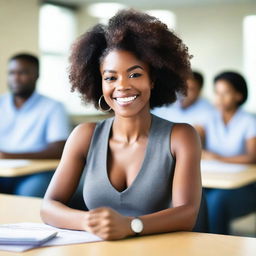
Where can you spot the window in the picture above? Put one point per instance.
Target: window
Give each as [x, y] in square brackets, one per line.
[249, 37]
[104, 11]
[57, 31]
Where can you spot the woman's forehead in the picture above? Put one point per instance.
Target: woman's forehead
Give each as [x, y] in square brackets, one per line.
[121, 59]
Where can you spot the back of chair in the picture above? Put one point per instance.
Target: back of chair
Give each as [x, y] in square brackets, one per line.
[202, 224]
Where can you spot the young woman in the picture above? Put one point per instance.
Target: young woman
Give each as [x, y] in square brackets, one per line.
[229, 136]
[142, 173]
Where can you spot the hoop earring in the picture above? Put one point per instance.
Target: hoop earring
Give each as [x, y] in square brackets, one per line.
[99, 104]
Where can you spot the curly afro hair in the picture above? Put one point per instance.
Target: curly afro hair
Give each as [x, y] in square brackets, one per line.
[148, 39]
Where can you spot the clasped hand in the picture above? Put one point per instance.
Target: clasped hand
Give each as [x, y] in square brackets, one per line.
[108, 224]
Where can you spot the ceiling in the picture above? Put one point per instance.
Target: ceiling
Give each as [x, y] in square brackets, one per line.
[155, 3]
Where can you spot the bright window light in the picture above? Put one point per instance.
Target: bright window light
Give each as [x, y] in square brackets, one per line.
[104, 11]
[249, 42]
[165, 16]
[57, 29]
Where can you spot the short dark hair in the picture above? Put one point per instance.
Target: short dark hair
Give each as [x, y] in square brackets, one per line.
[237, 81]
[199, 78]
[148, 39]
[27, 57]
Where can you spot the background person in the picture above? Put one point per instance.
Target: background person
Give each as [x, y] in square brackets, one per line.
[32, 126]
[229, 135]
[192, 108]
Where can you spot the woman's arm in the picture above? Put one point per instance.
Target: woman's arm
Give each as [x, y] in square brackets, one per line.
[186, 187]
[248, 158]
[65, 181]
[52, 151]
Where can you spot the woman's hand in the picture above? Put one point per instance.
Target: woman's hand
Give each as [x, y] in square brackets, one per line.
[108, 224]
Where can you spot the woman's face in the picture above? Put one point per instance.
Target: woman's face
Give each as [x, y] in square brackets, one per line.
[193, 93]
[126, 83]
[226, 97]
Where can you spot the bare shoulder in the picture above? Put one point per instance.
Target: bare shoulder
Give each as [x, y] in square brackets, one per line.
[80, 138]
[183, 137]
[84, 130]
[183, 129]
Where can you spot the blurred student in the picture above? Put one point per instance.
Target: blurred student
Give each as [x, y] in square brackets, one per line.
[191, 108]
[229, 136]
[32, 126]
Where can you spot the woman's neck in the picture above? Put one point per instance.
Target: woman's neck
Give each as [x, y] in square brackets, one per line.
[228, 114]
[131, 129]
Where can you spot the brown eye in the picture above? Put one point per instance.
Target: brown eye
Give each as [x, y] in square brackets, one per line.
[109, 78]
[134, 75]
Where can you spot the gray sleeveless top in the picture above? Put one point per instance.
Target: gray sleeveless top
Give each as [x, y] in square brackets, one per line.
[152, 187]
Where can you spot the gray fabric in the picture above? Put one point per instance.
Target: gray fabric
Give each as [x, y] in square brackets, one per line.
[151, 189]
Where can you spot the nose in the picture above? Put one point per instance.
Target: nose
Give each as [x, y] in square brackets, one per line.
[123, 84]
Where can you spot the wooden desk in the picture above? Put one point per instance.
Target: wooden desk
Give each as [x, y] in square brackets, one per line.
[19, 209]
[229, 180]
[33, 167]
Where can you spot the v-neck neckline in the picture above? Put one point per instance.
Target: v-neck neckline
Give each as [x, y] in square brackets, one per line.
[144, 162]
[26, 105]
[229, 123]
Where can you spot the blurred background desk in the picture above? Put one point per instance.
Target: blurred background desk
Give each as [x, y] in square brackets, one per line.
[231, 176]
[21, 209]
[31, 166]
[227, 180]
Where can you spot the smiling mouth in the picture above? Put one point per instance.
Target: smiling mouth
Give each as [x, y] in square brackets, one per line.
[125, 100]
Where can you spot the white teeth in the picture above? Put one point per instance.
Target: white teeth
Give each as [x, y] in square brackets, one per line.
[126, 99]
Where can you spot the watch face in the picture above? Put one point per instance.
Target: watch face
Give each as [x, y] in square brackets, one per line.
[136, 225]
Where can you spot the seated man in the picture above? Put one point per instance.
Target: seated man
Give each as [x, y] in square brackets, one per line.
[32, 126]
[191, 109]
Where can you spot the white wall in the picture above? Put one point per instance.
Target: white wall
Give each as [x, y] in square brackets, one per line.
[18, 31]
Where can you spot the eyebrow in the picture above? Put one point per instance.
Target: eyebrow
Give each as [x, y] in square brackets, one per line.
[128, 70]
[134, 67]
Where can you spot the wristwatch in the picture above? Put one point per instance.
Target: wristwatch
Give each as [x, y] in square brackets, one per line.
[137, 226]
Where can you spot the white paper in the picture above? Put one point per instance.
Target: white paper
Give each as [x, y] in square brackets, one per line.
[13, 163]
[64, 236]
[221, 167]
[24, 236]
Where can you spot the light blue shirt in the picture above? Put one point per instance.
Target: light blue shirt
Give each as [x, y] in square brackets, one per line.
[229, 139]
[196, 114]
[32, 127]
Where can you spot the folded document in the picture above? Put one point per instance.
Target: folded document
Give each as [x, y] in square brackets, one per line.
[24, 236]
[25, 231]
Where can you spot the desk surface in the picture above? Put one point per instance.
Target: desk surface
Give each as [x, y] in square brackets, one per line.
[209, 179]
[33, 167]
[21, 209]
[229, 180]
